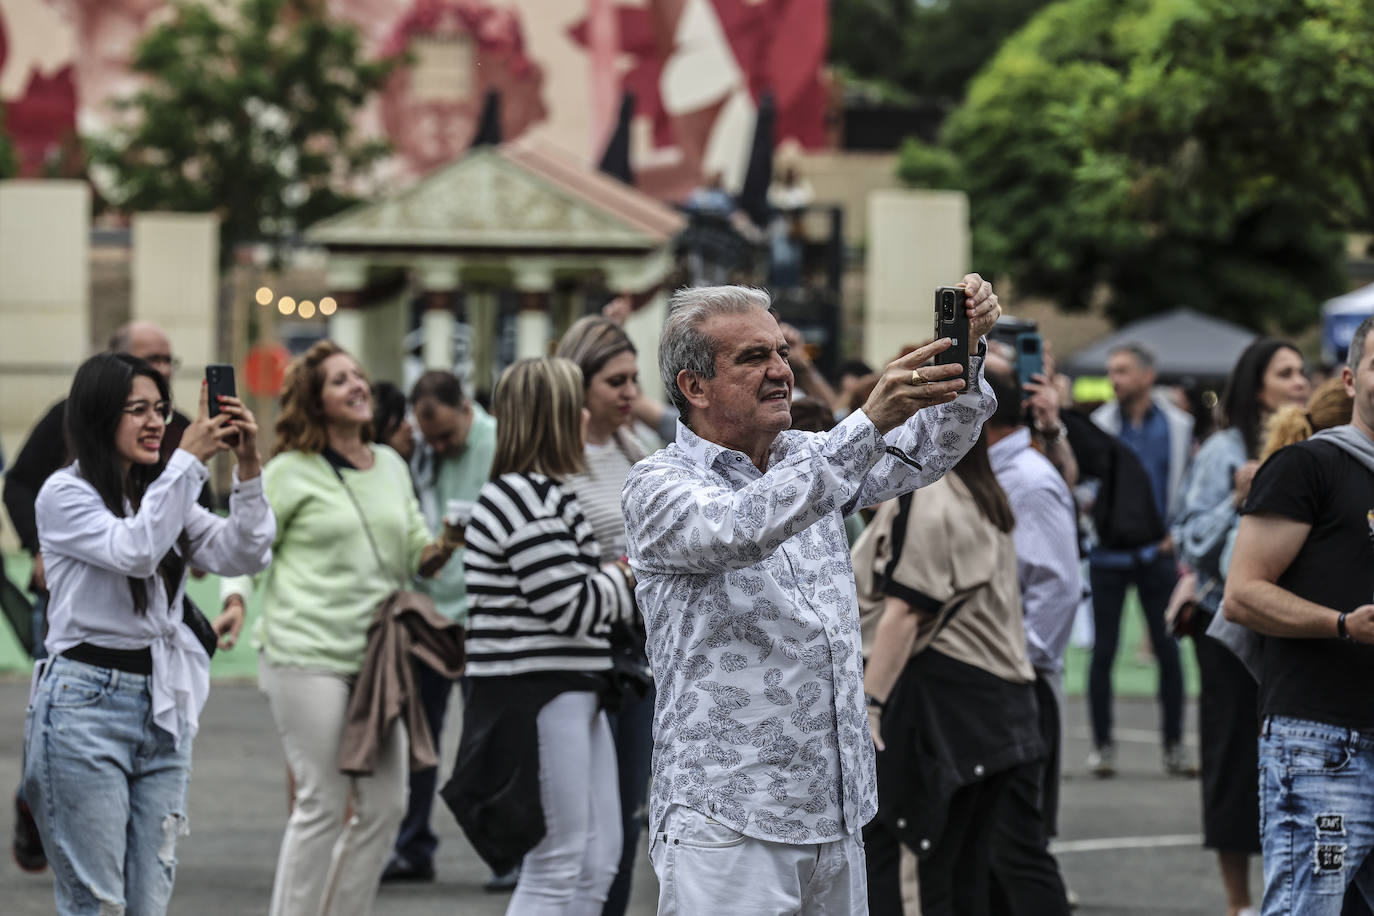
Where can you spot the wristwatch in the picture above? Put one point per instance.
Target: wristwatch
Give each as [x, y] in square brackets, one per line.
[1052, 435]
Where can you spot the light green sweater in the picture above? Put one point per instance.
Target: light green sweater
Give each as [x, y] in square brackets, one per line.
[324, 583]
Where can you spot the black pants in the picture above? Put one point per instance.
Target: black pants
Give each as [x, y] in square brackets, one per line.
[1025, 877]
[955, 877]
[1228, 732]
[1155, 582]
[416, 841]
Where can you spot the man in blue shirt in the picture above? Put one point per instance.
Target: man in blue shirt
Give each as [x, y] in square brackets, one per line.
[1160, 435]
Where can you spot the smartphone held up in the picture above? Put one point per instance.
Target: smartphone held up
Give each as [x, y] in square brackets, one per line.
[219, 381]
[951, 320]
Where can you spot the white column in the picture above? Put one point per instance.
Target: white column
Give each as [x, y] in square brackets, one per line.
[533, 328]
[348, 325]
[917, 241]
[438, 281]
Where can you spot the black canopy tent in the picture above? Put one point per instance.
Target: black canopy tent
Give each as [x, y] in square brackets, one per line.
[1186, 345]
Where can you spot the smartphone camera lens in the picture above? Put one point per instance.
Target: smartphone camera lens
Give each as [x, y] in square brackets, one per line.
[947, 307]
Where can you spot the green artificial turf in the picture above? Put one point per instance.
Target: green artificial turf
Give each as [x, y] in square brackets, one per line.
[1132, 676]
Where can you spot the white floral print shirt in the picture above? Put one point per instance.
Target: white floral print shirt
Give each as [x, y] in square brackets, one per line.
[747, 591]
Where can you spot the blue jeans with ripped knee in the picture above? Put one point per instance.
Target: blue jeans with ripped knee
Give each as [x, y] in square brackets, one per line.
[107, 788]
[1316, 815]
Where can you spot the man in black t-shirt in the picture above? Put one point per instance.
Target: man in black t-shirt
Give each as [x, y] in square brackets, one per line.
[1302, 573]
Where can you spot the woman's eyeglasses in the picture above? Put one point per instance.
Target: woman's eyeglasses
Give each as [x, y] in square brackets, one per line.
[140, 410]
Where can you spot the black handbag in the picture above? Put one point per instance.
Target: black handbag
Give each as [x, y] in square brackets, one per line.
[200, 625]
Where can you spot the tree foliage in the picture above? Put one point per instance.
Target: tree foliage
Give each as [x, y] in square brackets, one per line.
[1207, 153]
[248, 112]
[9, 159]
[926, 49]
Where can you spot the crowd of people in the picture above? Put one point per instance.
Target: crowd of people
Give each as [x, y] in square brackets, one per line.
[825, 621]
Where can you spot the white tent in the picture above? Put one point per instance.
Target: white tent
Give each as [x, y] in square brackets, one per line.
[1340, 317]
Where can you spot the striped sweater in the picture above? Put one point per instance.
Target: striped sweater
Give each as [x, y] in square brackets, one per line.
[538, 599]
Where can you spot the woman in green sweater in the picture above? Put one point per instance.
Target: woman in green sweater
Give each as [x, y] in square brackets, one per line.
[349, 532]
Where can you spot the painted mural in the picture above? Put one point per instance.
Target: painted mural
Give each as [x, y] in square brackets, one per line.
[697, 70]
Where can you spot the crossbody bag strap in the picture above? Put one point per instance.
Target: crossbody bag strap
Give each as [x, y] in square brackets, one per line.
[367, 529]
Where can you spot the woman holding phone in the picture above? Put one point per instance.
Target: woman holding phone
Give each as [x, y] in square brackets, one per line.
[115, 708]
[349, 533]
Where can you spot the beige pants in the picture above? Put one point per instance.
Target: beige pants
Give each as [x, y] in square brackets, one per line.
[327, 866]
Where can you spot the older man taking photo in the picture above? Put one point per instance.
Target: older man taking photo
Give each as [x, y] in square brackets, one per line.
[763, 770]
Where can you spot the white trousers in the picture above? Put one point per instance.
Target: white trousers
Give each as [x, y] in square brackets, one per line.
[706, 869]
[327, 866]
[571, 870]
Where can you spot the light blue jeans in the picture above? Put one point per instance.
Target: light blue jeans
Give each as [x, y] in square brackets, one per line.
[107, 788]
[1316, 815]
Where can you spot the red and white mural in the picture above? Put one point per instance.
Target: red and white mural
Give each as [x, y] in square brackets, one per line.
[697, 68]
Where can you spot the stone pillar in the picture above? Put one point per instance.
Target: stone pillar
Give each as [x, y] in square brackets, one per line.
[438, 283]
[917, 240]
[175, 284]
[533, 329]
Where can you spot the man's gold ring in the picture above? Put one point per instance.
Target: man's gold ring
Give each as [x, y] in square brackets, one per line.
[917, 378]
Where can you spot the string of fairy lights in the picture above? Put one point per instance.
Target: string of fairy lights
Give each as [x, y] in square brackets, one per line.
[287, 305]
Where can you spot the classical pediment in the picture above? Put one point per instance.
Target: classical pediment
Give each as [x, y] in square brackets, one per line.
[512, 197]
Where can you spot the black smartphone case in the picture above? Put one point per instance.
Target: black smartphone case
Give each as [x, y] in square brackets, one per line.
[219, 379]
[953, 326]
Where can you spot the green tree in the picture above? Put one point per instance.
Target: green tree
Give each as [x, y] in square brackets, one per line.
[9, 160]
[248, 112]
[1207, 153]
[925, 49]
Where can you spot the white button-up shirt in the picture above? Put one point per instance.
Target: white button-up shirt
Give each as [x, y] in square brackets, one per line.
[747, 591]
[89, 553]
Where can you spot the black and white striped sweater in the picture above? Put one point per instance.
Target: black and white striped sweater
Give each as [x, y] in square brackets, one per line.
[538, 598]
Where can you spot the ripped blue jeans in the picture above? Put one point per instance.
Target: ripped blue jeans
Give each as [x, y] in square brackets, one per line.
[107, 789]
[1316, 815]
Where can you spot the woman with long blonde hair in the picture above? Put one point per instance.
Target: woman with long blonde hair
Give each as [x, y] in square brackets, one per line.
[349, 533]
[541, 607]
[610, 386]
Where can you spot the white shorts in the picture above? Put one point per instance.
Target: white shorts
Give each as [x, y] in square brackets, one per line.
[706, 869]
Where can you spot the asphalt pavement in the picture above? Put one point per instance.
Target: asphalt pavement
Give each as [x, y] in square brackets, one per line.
[1128, 845]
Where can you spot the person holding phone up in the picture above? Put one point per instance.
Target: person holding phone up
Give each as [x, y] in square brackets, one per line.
[335, 493]
[116, 706]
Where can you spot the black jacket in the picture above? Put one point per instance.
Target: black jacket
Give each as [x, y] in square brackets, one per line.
[1124, 513]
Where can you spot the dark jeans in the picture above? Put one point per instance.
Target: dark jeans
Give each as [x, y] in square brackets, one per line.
[633, 730]
[416, 842]
[1155, 582]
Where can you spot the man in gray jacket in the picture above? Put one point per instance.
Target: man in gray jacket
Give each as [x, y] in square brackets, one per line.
[1161, 436]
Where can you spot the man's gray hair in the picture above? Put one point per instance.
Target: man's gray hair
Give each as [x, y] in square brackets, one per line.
[1357, 344]
[684, 346]
[1143, 356]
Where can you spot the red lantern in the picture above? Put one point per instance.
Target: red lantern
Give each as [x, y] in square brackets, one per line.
[265, 368]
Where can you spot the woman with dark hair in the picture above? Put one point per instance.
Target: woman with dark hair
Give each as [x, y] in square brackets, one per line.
[115, 708]
[950, 691]
[351, 533]
[610, 386]
[391, 424]
[1267, 377]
